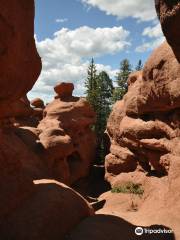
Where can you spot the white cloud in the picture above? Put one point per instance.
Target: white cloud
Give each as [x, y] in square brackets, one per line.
[61, 20]
[153, 32]
[64, 57]
[155, 38]
[142, 10]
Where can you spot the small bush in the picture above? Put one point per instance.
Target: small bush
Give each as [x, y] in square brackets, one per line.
[129, 188]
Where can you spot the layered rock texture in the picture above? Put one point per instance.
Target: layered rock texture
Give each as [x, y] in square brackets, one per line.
[169, 13]
[144, 129]
[17, 52]
[42, 146]
[31, 208]
[66, 135]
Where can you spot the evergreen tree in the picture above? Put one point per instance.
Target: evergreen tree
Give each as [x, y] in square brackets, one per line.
[139, 66]
[99, 95]
[121, 79]
[104, 102]
[91, 84]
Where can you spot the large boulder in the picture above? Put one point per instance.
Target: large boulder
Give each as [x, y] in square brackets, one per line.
[67, 137]
[20, 64]
[64, 90]
[37, 103]
[169, 14]
[15, 178]
[49, 213]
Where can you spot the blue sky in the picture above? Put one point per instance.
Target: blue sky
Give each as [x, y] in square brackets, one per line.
[70, 32]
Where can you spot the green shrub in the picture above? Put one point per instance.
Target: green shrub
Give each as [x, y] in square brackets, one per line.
[129, 188]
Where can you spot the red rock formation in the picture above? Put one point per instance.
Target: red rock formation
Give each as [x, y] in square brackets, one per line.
[157, 87]
[49, 213]
[64, 90]
[144, 126]
[46, 209]
[67, 137]
[169, 14]
[20, 63]
[144, 129]
[15, 185]
[37, 103]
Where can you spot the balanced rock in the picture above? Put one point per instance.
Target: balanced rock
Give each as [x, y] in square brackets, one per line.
[64, 90]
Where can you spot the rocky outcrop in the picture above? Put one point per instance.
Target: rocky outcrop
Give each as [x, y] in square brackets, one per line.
[31, 208]
[66, 135]
[17, 52]
[144, 127]
[157, 86]
[169, 14]
[144, 130]
[44, 209]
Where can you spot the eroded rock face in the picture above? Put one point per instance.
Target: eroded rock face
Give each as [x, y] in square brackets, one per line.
[20, 64]
[169, 14]
[64, 90]
[15, 178]
[156, 89]
[67, 137]
[144, 127]
[144, 130]
[31, 209]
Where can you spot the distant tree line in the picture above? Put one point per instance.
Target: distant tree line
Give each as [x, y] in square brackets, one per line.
[102, 94]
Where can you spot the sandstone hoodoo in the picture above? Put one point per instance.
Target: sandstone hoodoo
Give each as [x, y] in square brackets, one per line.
[64, 90]
[20, 64]
[169, 13]
[42, 148]
[30, 209]
[67, 137]
[157, 87]
[144, 129]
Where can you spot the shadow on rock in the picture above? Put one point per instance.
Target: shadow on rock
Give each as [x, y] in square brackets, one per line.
[108, 227]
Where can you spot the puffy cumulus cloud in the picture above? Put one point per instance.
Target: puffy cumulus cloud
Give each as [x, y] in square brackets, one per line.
[64, 57]
[142, 10]
[155, 38]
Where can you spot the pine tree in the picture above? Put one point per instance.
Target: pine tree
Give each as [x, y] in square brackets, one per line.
[99, 95]
[121, 79]
[91, 84]
[139, 66]
[104, 102]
